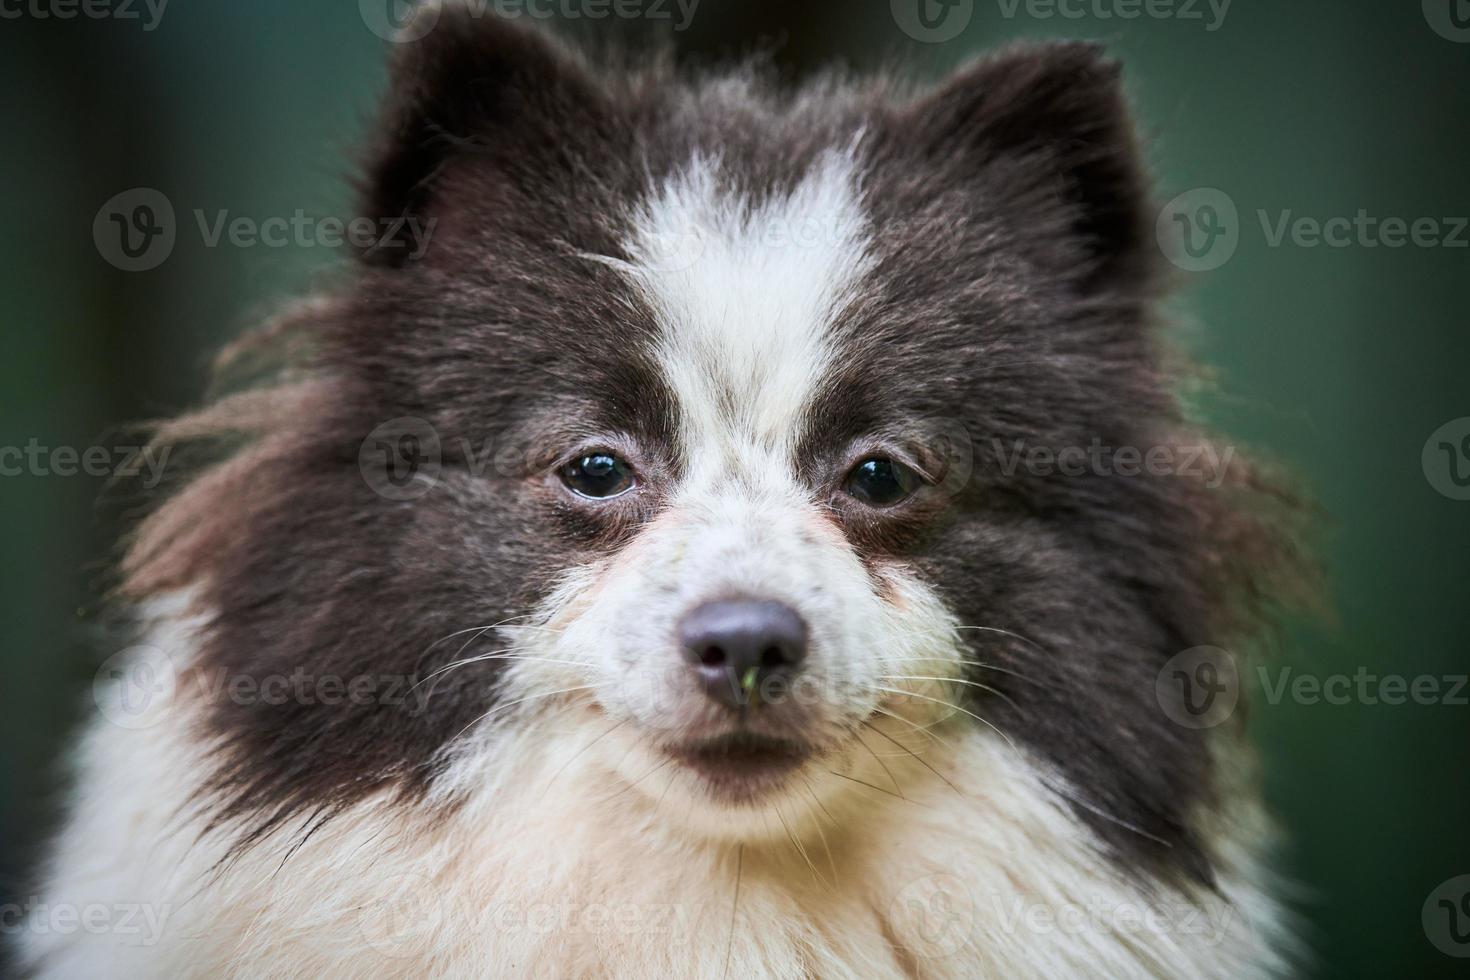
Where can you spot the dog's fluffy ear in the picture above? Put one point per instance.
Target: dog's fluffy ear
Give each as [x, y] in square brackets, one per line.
[465, 82]
[1057, 110]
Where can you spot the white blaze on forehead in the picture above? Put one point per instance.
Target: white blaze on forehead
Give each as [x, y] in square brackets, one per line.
[746, 295]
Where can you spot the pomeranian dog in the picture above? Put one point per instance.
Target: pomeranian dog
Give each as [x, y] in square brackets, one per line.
[712, 552]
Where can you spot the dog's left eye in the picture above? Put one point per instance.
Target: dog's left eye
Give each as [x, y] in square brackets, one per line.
[599, 476]
[880, 482]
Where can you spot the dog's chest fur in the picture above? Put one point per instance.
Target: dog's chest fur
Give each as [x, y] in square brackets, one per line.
[551, 869]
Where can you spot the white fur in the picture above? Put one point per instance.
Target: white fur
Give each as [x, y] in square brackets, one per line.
[746, 297]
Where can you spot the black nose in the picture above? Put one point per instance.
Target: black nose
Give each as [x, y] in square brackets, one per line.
[744, 651]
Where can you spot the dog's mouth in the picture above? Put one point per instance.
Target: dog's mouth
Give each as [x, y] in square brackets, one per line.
[741, 765]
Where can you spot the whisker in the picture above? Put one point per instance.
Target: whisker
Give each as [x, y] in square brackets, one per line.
[473, 629]
[799, 848]
[668, 786]
[642, 778]
[981, 665]
[986, 629]
[915, 756]
[811, 788]
[484, 629]
[1062, 789]
[831, 862]
[952, 680]
[863, 782]
[511, 704]
[927, 730]
[880, 762]
[509, 654]
[578, 754]
[950, 704]
[734, 906]
[480, 631]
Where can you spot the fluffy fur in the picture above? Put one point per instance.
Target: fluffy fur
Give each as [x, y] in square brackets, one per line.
[742, 291]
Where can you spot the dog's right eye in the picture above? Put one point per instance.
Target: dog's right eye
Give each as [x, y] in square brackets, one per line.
[599, 476]
[881, 482]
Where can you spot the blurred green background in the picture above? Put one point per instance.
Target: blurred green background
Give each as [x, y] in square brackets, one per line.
[1340, 360]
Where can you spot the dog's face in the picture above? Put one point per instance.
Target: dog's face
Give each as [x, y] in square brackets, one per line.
[738, 612]
[732, 401]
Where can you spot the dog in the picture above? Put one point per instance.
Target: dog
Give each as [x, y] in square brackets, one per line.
[711, 552]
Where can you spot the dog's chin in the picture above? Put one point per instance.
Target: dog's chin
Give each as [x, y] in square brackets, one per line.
[727, 779]
[740, 767]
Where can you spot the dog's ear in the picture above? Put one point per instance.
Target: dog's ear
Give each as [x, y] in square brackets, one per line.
[1055, 113]
[466, 83]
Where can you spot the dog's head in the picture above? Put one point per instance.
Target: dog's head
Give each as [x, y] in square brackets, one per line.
[739, 435]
